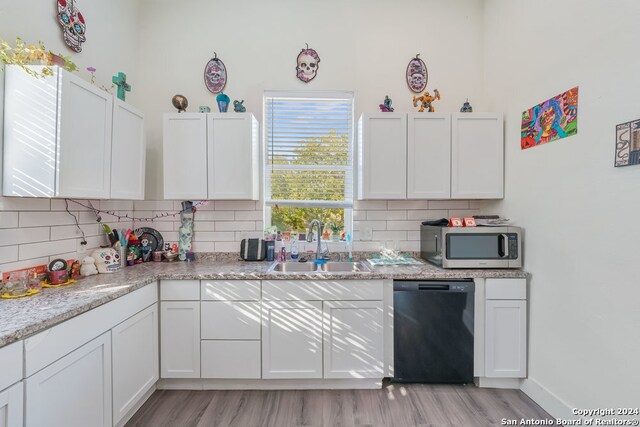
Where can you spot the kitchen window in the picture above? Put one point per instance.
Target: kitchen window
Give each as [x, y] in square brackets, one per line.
[308, 140]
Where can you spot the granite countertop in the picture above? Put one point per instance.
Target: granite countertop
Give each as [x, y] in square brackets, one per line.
[21, 318]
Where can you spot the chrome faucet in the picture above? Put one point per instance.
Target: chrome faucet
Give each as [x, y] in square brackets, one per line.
[319, 253]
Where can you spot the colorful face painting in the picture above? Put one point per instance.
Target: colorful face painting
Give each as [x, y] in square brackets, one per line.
[553, 119]
[215, 75]
[72, 23]
[628, 144]
[417, 75]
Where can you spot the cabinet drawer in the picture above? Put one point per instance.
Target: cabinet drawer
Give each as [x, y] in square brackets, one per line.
[11, 362]
[230, 290]
[325, 290]
[506, 289]
[180, 290]
[230, 359]
[228, 320]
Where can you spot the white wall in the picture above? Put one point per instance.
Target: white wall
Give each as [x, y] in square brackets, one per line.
[364, 46]
[580, 213]
[33, 231]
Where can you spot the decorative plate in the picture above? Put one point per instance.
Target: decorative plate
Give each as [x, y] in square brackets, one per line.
[215, 75]
[417, 75]
[152, 235]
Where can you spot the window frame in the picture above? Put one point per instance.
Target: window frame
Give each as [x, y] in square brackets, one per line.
[348, 206]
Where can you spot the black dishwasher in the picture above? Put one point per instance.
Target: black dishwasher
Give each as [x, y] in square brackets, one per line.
[433, 331]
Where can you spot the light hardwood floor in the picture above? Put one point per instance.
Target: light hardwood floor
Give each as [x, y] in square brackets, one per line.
[394, 405]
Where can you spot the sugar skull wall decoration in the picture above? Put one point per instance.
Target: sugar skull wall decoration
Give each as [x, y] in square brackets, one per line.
[215, 74]
[417, 74]
[72, 23]
[307, 64]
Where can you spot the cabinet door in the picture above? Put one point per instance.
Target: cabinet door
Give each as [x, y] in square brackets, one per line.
[382, 143]
[135, 360]
[353, 339]
[506, 338]
[292, 339]
[184, 148]
[84, 151]
[11, 406]
[230, 320]
[231, 359]
[75, 390]
[128, 154]
[429, 156]
[477, 156]
[233, 156]
[180, 339]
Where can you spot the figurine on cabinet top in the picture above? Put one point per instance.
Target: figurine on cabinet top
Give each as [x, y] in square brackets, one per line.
[223, 102]
[426, 101]
[466, 107]
[238, 106]
[386, 107]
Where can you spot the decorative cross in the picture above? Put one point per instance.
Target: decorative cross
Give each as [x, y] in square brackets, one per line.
[121, 81]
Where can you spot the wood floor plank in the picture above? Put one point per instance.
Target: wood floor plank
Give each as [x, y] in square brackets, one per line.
[393, 405]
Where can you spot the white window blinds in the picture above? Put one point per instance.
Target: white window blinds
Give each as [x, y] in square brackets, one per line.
[309, 150]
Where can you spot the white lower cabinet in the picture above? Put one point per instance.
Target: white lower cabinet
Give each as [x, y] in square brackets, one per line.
[135, 360]
[73, 391]
[353, 339]
[11, 406]
[226, 359]
[292, 339]
[180, 339]
[506, 328]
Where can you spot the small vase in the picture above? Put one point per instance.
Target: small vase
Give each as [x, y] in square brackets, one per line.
[335, 237]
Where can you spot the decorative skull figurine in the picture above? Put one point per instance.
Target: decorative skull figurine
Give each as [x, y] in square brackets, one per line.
[107, 260]
[308, 63]
[72, 23]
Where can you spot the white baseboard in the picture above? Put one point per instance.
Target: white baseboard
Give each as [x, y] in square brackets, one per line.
[547, 400]
[510, 383]
[310, 384]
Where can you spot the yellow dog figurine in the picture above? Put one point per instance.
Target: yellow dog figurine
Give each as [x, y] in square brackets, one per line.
[425, 101]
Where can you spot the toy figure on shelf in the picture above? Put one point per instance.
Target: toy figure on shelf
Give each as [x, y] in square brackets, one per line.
[146, 250]
[386, 107]
[88, 267]
[466, 107]
[426, 101]
[238, 107]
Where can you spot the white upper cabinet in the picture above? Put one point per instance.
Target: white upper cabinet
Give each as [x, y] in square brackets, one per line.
[232, 156]
[428, 156]
[128, 154]
[477, 153]
[57, 136]
[211, 156]
[382, 160]
[185, 156]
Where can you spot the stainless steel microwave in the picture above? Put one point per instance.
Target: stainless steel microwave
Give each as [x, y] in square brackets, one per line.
[471, 247]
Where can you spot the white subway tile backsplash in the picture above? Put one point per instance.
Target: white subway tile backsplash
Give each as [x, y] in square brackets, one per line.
[407, 204]
[61, 204]
[374, 225]
[35, 250]
[389, 235]
[198, 225]
[413, 235]
[227, 247]
[8, 219]
[24, 204]
[16, 236]
[366, 246]
[448, 204]
[214, 236]
[462, 213]
[93, 242]
[409, 246]
[359, 215]
[214, 216]
[154, 205]
[248, 215]
[8, 254]
[37, 219]
[248, 235]
[116, 205]
[235, 226]
[364, 205]
[235, 205]
[422, 215]
[403, 225]
[202, 246]
[60, 232]
[19, 265]
[386, 215]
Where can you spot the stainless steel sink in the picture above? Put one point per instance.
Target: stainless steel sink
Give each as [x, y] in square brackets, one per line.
[310, 267]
